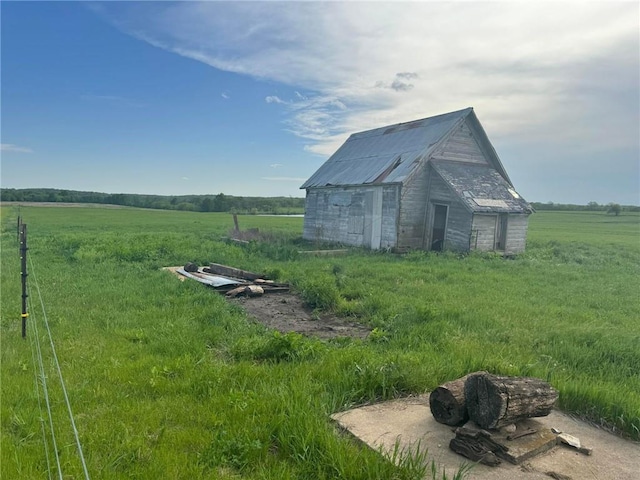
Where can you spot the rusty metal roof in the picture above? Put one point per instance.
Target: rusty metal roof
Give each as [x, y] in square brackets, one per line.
[481, 187]
[385, 155]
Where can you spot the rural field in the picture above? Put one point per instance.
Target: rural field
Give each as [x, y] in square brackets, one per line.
[168, 379]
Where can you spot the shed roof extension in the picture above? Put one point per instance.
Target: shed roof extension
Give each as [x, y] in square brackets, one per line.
[481, 187]
[385, 155]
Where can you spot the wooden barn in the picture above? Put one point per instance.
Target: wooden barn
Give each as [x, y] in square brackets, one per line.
[432, 184]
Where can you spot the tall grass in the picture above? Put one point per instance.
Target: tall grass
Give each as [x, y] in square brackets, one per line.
[168, 380]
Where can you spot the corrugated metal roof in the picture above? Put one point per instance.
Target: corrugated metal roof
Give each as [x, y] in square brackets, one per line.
[481, 187]
[384, 155]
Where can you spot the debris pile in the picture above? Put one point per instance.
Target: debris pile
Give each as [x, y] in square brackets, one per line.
[231, 281]
[494, 416]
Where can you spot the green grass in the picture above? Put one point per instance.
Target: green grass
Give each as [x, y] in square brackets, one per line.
[167, 380]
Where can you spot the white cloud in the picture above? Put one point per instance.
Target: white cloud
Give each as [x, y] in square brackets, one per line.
[225, 95]
[185, 178]
[276, 165]
[9, 147]
[542, 71]
[273, 99]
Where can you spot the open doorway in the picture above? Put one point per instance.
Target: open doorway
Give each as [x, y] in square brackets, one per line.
[501, 232]
[439, 230]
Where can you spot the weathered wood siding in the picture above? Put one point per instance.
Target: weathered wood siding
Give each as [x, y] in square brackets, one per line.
[516, 234]
[413, 204]
[390, 211]
[483, 232]
[461, 146]
[483, 235]
[360, 216]
[458, 216]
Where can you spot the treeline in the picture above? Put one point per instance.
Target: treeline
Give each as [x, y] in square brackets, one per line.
[196, 203]
[589, 207]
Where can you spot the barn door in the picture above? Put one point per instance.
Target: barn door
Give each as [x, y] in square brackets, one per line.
[439, 229]
[373, 219]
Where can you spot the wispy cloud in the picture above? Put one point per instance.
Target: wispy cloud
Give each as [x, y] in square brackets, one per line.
[225, 95]
[532, 70]
[9, 147]
[276, 165]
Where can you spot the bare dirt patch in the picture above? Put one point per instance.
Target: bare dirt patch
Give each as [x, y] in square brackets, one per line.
[287, 312]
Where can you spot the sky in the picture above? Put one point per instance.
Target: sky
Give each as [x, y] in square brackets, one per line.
[250, 98]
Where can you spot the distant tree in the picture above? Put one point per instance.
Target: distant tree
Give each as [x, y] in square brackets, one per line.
[186, 206]
[593, 206]
[207, 204]
[614, 208]
[221, 203]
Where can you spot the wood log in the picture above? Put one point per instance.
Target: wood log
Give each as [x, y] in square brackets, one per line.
[447, 402]
[494, 401]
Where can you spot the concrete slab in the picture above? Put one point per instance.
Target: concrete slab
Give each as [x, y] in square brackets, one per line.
[409, 421]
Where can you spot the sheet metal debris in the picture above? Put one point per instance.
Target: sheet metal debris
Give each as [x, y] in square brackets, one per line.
[230, 280]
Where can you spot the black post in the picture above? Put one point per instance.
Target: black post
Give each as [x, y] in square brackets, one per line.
[19, 223]
[23, 273]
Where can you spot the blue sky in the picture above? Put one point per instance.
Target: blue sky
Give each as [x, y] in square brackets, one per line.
[248, 98]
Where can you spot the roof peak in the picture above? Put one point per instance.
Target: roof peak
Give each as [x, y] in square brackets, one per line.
[394, 127]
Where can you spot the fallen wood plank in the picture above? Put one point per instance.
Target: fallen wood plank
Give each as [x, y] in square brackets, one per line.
[475, 446]
[536, 439]
[249, 290]
[231, 272]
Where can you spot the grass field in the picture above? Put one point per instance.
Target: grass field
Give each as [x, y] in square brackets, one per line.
[167, 380]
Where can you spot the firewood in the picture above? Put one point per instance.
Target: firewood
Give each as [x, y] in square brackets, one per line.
[494, 401]
[447, 402]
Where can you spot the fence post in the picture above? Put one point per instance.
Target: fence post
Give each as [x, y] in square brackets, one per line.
[23, 274]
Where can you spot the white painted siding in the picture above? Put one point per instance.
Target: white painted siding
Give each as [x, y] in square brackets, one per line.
[461, 146]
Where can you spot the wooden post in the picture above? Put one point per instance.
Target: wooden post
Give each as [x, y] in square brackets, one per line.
[235, 222]
[23, 274]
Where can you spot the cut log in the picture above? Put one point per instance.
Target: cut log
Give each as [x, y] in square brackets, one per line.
[447, 402]
[494, 401]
